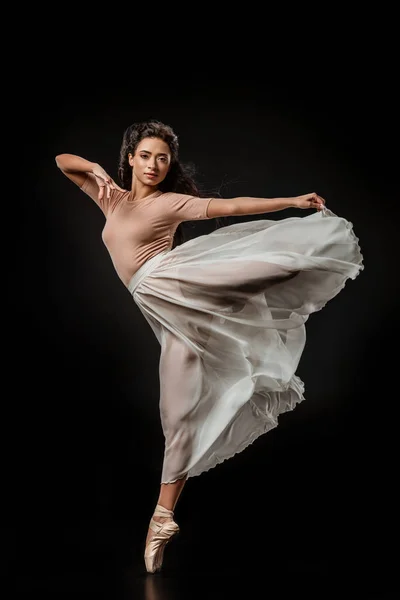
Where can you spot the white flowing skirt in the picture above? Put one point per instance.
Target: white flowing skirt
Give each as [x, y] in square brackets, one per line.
[229, 310]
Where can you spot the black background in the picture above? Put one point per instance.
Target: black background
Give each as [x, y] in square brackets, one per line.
[310, 503]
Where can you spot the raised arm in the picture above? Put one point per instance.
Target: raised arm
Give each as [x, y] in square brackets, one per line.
[89, 176]
[221, 207]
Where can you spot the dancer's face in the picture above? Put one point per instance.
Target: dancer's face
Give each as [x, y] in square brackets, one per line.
[151, 161]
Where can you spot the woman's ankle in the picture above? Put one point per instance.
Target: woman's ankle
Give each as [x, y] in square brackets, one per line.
[161, 519]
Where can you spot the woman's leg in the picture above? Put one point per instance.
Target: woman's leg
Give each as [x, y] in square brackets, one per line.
[179, 366]
[169, 494]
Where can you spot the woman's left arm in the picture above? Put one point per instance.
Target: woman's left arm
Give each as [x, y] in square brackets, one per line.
[221, 207]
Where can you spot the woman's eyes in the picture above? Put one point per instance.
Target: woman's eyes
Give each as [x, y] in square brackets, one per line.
[162, 158]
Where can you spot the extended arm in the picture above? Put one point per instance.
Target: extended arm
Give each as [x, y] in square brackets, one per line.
[219, 207]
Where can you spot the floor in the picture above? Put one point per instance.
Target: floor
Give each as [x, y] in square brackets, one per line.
[91, 562]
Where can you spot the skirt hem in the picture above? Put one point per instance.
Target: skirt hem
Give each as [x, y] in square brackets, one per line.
[266, 422]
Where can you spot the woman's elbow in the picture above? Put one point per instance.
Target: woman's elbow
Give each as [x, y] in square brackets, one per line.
[221, 207]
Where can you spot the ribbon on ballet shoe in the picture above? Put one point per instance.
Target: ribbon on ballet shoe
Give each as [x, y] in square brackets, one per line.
[161, 511]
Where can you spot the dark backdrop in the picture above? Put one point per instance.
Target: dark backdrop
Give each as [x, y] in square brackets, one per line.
[313, 499]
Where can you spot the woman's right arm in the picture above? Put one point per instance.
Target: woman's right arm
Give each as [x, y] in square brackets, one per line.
[89, 176]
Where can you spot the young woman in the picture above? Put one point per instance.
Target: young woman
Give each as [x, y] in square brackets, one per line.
[228, 308]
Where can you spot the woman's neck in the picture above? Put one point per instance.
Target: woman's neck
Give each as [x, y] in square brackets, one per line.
[140, 191]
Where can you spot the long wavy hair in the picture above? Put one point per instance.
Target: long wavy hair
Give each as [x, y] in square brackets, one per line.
[180, 177]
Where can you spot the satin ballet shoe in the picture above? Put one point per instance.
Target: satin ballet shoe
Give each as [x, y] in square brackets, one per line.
[163, 533]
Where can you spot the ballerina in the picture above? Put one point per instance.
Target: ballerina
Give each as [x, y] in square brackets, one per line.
[228, 308]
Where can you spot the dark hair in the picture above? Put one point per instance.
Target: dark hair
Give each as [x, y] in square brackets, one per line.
[180, 177]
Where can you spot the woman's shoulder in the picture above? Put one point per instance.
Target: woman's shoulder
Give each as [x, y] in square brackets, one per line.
[178, 195]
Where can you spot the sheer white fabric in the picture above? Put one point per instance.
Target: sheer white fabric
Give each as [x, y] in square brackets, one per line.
[229, 310]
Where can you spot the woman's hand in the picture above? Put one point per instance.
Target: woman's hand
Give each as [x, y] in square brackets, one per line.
[104, 181]
[310, 201]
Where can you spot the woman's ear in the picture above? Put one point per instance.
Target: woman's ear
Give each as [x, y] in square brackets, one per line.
[130, 159]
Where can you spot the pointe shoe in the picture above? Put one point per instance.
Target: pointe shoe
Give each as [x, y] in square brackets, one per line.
[163, 533]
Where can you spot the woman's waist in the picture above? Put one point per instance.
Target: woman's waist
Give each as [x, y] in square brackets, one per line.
[145, 269]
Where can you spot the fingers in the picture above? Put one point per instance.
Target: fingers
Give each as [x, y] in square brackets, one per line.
[114, 186]
[317, 201]
[321, 202]
[312, 200]
[105, 181]
[111, 185]
[108, 184]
